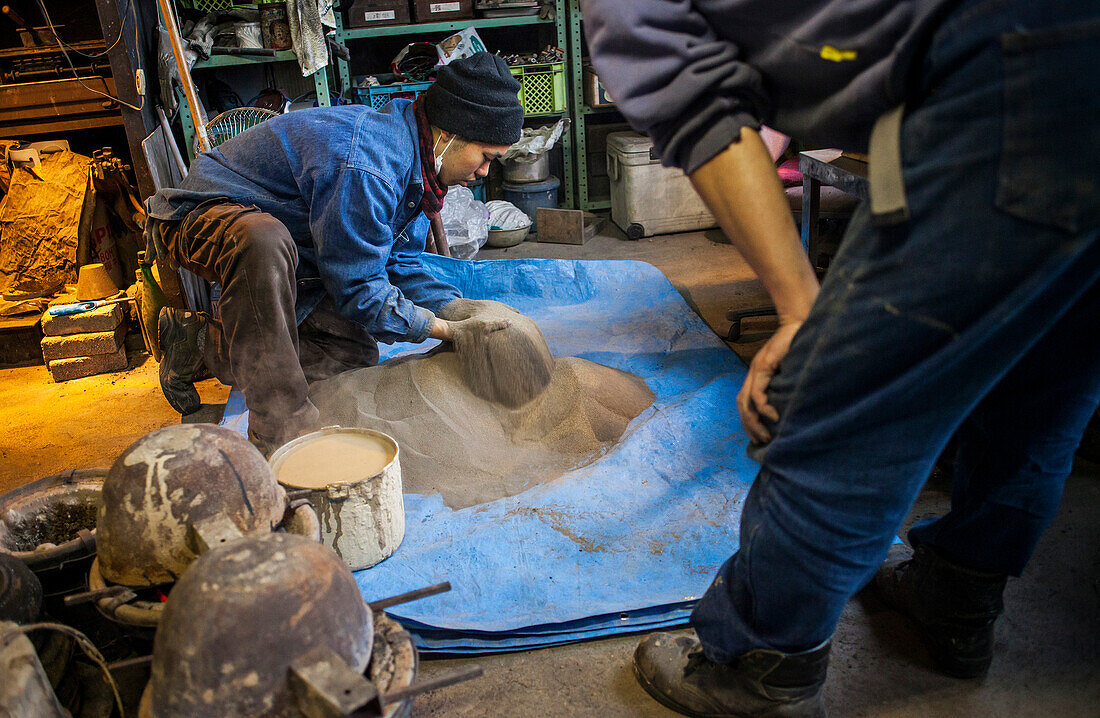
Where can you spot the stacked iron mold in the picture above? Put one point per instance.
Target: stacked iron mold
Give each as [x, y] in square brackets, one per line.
[166, 492]
[283, 544]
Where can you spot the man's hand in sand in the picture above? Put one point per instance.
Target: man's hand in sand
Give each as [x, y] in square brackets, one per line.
[467, 331]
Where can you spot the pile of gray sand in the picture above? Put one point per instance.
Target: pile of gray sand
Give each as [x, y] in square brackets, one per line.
[489, 417]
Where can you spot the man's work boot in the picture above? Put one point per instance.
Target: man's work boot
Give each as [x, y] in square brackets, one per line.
[954, 607]
[182, 340]
[761, 683]
[265, 446]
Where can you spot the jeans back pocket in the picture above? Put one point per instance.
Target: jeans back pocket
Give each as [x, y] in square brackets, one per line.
[1050, 163]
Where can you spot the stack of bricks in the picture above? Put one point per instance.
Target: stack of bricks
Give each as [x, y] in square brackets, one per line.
[91, 342]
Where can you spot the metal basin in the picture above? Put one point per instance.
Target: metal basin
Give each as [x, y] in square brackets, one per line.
[536, 171]
[49, 524]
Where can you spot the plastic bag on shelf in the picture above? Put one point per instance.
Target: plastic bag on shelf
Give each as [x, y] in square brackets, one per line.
[535, 142]
[466, 222]
[462, 44]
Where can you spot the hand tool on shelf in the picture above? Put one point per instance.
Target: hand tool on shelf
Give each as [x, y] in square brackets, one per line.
[242, 51]
[79, 307]
[340, 50]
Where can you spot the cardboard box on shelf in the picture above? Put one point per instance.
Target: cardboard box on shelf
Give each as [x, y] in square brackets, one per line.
[369, 13]
[440, 10]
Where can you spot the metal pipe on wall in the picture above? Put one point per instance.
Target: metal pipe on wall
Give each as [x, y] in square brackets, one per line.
[170, 139]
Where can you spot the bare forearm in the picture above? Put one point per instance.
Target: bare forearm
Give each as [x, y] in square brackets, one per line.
[441, 329]
[741, 188]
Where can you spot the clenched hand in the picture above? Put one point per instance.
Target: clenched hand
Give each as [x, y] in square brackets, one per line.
[752, 400]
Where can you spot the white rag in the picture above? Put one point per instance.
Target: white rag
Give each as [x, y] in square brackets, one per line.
[505, 215]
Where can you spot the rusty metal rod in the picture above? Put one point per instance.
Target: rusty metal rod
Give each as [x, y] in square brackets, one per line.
[129, 663]
[185, 74]
[431, 684]
[77, 599]
[410, 596]
[15, 17]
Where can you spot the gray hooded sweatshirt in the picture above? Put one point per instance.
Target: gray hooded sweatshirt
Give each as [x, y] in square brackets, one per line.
[692, 73]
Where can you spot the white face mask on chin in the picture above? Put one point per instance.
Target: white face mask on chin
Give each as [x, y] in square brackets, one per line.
[439, 157]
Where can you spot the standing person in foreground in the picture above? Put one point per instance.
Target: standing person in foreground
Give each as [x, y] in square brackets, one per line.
[313, 224]
[964, 299]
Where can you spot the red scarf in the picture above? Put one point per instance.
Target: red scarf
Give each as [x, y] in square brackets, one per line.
[434, 190]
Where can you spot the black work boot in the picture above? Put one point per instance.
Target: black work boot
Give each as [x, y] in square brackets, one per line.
[760, 683]
[954, 607]
[182, 339]
[266, 446]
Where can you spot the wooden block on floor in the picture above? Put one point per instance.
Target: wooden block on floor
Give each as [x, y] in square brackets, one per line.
[20, 340]
[83, 345]
[560, 226]
[77, 367]
[104, 319]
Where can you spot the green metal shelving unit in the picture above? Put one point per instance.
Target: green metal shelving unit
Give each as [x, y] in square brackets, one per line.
[446, 26]
[581, 112]
[320, 83]
[559, 23]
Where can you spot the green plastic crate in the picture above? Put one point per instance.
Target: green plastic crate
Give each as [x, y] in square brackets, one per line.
[541, 87]
[214, 5]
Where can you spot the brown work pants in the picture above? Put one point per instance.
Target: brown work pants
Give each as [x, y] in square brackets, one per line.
[253, 341]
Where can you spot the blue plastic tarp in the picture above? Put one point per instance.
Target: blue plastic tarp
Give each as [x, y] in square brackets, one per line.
[627, 543]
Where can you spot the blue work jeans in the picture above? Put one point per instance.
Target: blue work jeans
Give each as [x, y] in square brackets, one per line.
[979, 315]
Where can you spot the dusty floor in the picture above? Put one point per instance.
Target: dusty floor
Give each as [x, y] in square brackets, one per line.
[1048, 643]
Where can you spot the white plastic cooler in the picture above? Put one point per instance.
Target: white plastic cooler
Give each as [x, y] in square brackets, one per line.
[646, 198]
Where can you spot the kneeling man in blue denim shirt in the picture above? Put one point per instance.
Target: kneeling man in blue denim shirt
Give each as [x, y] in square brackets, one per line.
[313, 224]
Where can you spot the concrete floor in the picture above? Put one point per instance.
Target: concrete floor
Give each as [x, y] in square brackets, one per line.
[1048, 643]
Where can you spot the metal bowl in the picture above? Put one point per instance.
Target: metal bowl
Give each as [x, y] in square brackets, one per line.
[362, 519]
[506, 237]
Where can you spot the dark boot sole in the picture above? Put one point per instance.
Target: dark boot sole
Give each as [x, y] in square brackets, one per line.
[952, 665]
[944, 661]
[788, 710]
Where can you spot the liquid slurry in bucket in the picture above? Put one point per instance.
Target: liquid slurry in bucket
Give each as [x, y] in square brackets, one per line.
[354, 481]
[337, 458]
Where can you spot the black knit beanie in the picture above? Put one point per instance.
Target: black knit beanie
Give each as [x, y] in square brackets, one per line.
[476, 98]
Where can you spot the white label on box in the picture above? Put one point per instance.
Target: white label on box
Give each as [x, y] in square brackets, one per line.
[445, 7]
[381, 15]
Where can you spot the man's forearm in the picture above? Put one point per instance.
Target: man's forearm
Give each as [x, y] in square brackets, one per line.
[742, 190]
[441, 329]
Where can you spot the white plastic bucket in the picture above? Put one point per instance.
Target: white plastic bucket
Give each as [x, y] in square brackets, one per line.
[353, 477]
